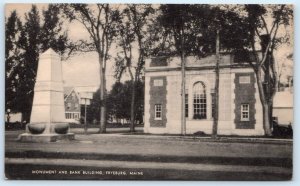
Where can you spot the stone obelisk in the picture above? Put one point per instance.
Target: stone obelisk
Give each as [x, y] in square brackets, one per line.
[47, 120]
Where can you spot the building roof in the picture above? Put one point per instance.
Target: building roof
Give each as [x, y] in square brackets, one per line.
[80, 91]
[283, 99]
[67, 91]
[227, 59]
[86, 89]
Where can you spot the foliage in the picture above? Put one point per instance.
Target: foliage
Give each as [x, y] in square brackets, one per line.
[118, 105]
[197, 25]
[133, 39]
[31, 38]
[12, 57]
[93, 110]
[120, 98]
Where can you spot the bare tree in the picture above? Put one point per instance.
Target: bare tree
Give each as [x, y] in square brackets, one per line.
[264, 66]
[100, 22]
[133, 39]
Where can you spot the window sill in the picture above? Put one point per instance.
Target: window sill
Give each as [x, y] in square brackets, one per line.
[245, 120]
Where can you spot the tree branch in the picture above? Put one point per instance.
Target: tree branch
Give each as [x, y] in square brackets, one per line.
[265, 24]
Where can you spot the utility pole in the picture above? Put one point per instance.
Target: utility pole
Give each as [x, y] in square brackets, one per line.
[216, 110]
[85, 98]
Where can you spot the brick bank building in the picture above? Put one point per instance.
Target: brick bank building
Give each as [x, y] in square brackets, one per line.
[240, 109]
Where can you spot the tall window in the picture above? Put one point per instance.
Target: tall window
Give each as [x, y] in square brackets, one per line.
[186, 105]
[158, 112]
[245, 112]
[199, 101]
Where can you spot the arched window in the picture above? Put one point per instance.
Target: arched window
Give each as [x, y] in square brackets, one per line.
[199, 100]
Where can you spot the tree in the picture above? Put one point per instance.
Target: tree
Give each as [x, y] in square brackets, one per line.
[29, 46]
[52, 34]
[100, 22]
[230, 34]
[120, 99]
[193, 30]
[267, 37]
[133, 38]
[175, 19]
[13, 27]
[93, 110]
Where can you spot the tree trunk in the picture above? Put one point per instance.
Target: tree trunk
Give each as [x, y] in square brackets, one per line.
[25, 117]
[216, 114]
[182, 58]
[265, 105]
[103, 108]
[102, 97]
[266, 119]
[132, 108]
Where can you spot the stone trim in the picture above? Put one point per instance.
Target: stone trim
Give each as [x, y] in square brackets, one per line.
[244, 94]
[167, 68]
[158, 95]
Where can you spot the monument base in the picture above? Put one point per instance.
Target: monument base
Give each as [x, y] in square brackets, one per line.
[38, 138]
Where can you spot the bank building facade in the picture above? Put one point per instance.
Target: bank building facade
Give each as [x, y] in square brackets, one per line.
[240, 109]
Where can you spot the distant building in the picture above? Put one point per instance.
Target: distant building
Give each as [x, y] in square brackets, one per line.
[74, 98]
[283, 108]
[72, 105]
[240, 109]
[13, 117]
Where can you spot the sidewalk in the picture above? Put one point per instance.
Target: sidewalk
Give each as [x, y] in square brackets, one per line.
[139, 134]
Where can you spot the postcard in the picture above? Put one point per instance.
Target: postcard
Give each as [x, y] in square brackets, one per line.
[149, 92]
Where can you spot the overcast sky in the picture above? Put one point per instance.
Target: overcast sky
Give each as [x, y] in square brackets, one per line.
[83, 69]
[78, 70]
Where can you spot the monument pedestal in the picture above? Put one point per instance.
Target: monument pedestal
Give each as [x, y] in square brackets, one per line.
[47, 120]
[42, 138]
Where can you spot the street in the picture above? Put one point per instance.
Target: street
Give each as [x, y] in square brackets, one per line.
[124, 156]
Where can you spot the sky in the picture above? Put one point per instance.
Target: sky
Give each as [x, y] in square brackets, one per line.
[83, 69]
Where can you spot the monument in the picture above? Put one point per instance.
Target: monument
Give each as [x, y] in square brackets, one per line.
[47, 120]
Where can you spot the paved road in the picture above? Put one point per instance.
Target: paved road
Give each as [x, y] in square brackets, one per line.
[158, 157]
[39, 168]
[152, 145]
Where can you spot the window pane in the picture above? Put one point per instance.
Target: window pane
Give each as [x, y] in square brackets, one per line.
[158, 110]
[199, 101]
[245, 112]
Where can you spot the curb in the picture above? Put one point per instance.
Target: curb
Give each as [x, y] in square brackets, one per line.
[203, 138]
